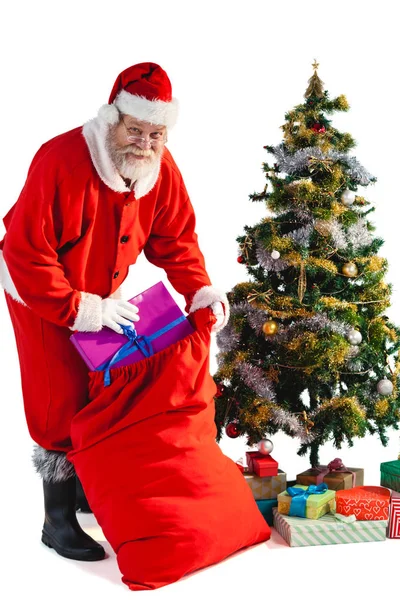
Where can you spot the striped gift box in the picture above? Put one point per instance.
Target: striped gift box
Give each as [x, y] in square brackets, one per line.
[394, 520]
[327, 530]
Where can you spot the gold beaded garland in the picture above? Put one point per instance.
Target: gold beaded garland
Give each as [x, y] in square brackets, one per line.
[270, 327]
[350, 269]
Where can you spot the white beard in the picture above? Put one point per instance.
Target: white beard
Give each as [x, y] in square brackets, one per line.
[132, 170]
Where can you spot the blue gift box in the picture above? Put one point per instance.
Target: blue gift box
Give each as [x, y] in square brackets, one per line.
[265, 507]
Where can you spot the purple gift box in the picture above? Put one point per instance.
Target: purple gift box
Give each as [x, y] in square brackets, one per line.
[157, 310]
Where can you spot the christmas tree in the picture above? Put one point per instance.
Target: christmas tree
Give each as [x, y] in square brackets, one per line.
[308, 349]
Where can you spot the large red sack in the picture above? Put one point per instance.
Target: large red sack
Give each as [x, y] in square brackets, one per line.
[167, 498]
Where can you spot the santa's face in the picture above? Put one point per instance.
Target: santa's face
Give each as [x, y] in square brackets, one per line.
[135, 147]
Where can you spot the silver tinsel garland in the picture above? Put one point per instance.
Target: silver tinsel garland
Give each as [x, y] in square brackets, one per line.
[284, 419]
[337, 234]
[266, 261]
[256, 318]
[355, 365]
[299, 161]
[315, 323]
[227, 339]
[255, 379]
[358, 234]
[302, 235]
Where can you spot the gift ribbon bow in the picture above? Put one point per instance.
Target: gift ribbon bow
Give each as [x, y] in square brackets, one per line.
[299, 498]
[335, 466]
[135, 342]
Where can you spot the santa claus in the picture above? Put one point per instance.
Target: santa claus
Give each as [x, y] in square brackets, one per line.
[94, 199]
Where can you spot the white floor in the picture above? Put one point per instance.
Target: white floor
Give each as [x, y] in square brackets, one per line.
[29, 569]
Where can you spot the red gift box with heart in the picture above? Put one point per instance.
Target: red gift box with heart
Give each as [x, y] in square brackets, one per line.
[365, 502]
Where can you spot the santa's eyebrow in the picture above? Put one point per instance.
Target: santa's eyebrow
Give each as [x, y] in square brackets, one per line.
[140, 126]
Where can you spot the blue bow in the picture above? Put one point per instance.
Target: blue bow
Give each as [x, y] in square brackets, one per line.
[299, 498]
[135, 342]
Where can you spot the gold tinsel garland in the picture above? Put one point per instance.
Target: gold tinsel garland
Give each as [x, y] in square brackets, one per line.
[258, 418]
[342, 102]
[381, 408]
[338, 209]
[335, 304]
[322, 263]
[353, 412]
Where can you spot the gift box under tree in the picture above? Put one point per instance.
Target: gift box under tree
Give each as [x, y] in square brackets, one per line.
[394, 516]
[265, 488]
[262, 465]
[366, 503]
[335, 475]
[327, 530]
[266, 506]
[390, 475]
[307, 502]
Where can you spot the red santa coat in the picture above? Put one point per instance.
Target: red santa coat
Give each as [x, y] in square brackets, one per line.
[71, 237]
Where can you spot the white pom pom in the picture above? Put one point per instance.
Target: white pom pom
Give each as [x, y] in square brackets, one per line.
[109, 113]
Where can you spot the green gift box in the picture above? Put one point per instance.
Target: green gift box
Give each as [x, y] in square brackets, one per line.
[316, 504]
[327, 530]
[390, 475]
[265, 507]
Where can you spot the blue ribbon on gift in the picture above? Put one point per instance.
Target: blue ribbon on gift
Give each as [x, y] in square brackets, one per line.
[299, 498]
[135, 342]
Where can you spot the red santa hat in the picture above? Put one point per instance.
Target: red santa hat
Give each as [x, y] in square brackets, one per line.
[143, 91]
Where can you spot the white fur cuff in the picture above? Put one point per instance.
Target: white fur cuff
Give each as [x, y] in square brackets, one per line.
[6, 282]
[206, 296]
[52, 466]
[89, 313]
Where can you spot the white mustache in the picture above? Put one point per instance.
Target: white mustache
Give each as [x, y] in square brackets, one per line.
[136, 151]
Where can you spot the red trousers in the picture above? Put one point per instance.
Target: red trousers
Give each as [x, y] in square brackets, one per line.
[54, 377]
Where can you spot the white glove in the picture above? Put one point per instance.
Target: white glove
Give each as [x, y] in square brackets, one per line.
[219, 313]
[118, 312]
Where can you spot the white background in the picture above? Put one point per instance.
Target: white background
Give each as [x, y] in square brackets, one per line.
[236, 68]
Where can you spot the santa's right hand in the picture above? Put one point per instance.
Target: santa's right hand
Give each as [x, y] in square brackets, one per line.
[116, 312]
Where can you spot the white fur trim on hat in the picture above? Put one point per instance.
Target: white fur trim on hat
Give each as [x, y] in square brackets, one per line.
[6, 282]
[89, 313]
[205, 297]
[157, 112]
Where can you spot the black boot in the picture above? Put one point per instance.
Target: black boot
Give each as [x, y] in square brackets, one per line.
[81, 501]
[61, 529]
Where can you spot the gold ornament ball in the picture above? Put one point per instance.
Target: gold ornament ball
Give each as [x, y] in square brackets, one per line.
[350, 269]
[270, 327]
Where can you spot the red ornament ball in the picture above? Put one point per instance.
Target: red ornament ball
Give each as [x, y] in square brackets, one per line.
[318, 128]
[220, 390]
[240, 259]
[232, 430]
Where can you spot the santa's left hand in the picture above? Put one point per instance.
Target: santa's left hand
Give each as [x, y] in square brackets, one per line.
[219, 313]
